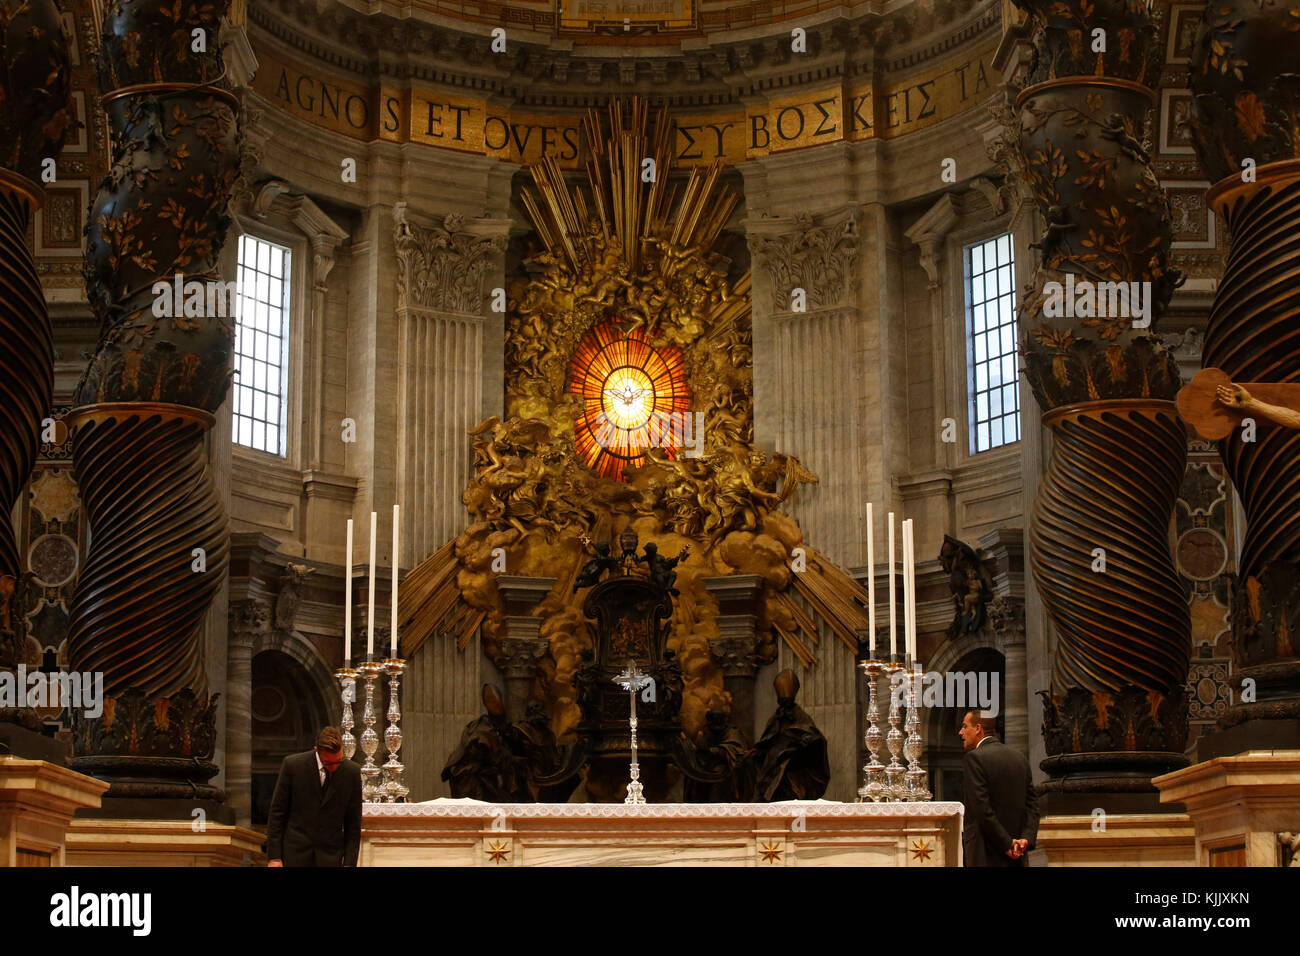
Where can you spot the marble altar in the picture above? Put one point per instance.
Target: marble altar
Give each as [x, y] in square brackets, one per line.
[792, 833]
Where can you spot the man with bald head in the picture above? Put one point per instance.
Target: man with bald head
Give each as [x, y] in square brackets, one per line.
[998, 791]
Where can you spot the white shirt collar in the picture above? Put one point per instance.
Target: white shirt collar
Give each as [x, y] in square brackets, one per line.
[320, 767]
[977, 746]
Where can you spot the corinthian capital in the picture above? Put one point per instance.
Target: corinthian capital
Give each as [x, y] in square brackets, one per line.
[442, 267]
[818, 257]
[249, 617]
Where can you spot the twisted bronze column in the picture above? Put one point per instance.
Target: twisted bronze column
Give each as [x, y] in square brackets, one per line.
[1245, 130]
[1117, 622]
[35, 115]
[159, 544]
[1099, 536]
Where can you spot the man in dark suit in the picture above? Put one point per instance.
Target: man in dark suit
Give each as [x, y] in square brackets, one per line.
[998, 791]
[315, 817]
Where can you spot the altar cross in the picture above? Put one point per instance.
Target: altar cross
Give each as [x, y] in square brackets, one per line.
[632, 680]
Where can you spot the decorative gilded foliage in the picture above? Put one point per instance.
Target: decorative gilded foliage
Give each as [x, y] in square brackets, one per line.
[152, 41]
[1246, 84]
[180, 150]
[1107, 221]
[35, 108]
[1063, 39]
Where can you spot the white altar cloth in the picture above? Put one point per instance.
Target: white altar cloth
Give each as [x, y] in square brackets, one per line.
[793, 833]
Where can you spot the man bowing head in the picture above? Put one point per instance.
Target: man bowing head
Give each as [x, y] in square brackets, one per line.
[315, 817]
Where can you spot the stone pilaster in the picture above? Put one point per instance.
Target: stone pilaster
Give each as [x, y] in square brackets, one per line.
[248, 619]
[821, 390]
[807, 378]
[930, 234]
[521, 649]
[445, 276]
[1007, 619]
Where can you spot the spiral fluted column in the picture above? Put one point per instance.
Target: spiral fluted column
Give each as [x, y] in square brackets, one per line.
[159, 538]
[26, 356]
[1103, 502]
[1254, 336]
[1116, 712]
[35, 116]
[1246, 130]
[148, 638]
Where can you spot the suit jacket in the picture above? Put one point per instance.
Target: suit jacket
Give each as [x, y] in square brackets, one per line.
[998, 791]
[308, 828]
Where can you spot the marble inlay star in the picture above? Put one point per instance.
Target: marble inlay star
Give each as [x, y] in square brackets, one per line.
[497, 851]
[771, 852]
[921, 850]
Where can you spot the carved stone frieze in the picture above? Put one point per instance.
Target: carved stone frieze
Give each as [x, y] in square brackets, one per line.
[442, 267]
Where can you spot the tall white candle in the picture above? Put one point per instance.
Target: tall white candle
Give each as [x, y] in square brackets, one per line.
[893, 644]
[871, 583]
[370, 609]
[909, 566]
[393, 640]
[911, 547]
[347, 600]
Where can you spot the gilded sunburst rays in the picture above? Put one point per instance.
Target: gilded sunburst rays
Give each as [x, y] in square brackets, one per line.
[632, 394]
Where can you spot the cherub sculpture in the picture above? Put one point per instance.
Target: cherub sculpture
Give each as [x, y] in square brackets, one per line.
[662, 571]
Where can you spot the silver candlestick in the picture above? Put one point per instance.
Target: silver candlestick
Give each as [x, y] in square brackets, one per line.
[895, 772]
[874, 787]
[369, 739]
[347, 678]
[632, 680]
[393, 789]
[916, 790]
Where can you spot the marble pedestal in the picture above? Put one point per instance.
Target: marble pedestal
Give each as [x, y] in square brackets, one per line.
[1117, 839]
[37, 801]
[110, 842]
[796, 833]
[1239, 805]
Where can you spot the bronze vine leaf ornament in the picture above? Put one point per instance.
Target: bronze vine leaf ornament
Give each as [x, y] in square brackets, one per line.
[131, 49]
[1250, 115]
[1126, 39]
